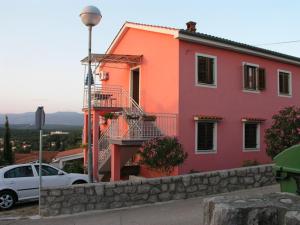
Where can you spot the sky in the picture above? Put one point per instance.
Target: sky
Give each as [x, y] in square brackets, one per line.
[42, 42]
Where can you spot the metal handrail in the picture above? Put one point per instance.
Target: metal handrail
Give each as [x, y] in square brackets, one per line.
[130, 124]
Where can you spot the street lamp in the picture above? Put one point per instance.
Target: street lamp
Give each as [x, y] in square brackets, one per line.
[90, 16]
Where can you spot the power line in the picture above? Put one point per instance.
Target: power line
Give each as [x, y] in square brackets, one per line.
[278, 43]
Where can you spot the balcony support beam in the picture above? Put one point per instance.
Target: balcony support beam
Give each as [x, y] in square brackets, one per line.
[115, 163]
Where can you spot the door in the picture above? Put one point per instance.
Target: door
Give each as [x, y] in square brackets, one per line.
[135, 85]
[23, 180]
[52, 177]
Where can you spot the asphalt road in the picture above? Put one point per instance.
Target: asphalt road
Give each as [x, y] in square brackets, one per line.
[181, 212]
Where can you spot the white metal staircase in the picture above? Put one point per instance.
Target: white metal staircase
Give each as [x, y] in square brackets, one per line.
[130, 123]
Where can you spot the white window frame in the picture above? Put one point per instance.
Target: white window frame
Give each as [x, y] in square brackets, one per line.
[257, 76]
[214, 85]
[257, 138]
[215, 138]
[290, 83]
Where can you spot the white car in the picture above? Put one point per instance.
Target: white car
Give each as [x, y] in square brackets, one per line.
[21, 182]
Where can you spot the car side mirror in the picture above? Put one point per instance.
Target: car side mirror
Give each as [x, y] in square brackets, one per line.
[60, 173]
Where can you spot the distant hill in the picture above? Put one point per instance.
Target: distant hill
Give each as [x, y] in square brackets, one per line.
[58, 118]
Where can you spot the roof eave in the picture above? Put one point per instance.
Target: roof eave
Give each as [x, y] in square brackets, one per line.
[128, 25]
[208, 42]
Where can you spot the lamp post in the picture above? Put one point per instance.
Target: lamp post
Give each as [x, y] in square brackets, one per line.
[90, 16]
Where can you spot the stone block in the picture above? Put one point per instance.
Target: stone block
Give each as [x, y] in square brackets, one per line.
[90, 190]
[55, 192]
[249, 180]
[79, 190]
[186, 180]
[214, 180]
[180, 187]
[114, 205]
[56, 205]
[66, 211]
[292, 218]
[233, 180]
[191, 189]
[130, 189]
[136, 197]
[99, 189]
[154, 181]
[124, 197]
[164, 187]
[172, 187]
[202, 187]
[144, 188]
[153, 199]
[78, 208]
[268, 209]
[178, 196]
[164, 196]
[118, 190]
[109, 192]
[102, 205]
[155, 190]
[67, 191]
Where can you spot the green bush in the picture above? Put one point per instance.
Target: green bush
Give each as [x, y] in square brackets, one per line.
[75, 166]
[162, 154]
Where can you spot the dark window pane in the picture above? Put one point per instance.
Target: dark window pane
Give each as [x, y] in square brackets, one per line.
[250, 135]
[284, 83]
[205, 70]
[22, 171]
[205, 139]
[47, 170]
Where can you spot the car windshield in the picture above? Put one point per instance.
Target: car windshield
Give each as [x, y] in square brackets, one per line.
[47, 170]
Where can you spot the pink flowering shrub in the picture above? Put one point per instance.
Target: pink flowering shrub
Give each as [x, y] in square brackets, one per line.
[162, 154]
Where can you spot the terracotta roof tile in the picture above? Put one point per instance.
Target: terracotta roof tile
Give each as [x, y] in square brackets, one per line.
[252, 119]
[206, 117]
[34, 156]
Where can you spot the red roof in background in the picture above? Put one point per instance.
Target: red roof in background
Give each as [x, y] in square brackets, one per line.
[69, 152]
[48, 156]
[34, 156]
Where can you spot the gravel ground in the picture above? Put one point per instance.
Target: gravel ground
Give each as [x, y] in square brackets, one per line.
[21, 210]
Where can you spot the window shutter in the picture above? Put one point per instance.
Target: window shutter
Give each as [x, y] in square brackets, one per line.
[261, 79]
[246, 77]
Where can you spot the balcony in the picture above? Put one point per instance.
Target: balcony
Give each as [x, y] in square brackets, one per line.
[106, 97]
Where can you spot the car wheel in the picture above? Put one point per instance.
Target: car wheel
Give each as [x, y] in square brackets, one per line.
[7, 199]
[79, 182]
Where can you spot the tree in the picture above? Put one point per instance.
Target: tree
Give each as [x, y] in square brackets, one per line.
[162, 154]
[284, 132]
[7, 149]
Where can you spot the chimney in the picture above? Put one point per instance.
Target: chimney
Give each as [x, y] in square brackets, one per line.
[191, 26]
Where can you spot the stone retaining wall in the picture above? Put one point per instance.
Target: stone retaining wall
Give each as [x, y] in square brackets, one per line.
[79, 198]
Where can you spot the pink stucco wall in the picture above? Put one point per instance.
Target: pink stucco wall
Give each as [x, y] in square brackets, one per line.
[158, 72]
[230, 102]
[168, 86]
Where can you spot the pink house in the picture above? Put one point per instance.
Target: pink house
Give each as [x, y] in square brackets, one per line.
[217, 96]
